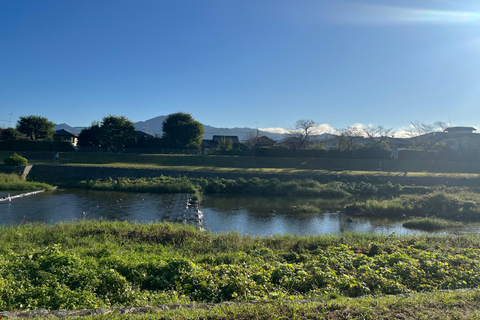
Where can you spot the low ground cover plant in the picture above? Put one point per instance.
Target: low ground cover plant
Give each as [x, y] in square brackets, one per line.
[92, 264]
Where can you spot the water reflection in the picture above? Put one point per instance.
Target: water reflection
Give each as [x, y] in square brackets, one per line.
[69, 205]
[277, 215]
[257, 216]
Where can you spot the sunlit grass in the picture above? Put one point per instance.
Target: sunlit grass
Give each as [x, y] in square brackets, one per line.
[13, 182]
[431, 224]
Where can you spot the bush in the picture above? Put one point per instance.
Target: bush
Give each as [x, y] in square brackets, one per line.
[15, 160]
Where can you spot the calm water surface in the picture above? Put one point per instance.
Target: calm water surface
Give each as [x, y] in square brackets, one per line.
[243, 214]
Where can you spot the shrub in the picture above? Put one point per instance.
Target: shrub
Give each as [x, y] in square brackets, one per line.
[15, 160]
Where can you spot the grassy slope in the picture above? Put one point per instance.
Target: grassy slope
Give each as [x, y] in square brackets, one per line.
[293, 166]
[12, 182]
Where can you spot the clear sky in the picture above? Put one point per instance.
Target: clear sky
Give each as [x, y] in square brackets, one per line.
[239, 63]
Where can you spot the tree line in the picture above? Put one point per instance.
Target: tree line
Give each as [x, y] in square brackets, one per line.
[180, 131]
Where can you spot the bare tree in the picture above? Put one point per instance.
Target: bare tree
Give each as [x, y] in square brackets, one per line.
[425, 136]
[373, 132]
[302, 134]
[346, 138]
[441, 125]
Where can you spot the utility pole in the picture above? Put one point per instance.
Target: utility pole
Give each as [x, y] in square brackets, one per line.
[10, 120]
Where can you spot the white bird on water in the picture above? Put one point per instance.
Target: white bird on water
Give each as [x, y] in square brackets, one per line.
[9, 198]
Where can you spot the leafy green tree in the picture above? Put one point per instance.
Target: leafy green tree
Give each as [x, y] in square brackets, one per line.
[225, 144]
[36, 127]
[117, 132]
[9, 134]
[181, 131]
[90, 137]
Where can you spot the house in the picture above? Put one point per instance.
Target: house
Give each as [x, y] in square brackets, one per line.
[65, 136]
[142, 135]
[259, 141]
[459, 130]
[215, 141]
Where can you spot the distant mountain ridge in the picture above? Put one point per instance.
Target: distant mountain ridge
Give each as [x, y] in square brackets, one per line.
[154, 127]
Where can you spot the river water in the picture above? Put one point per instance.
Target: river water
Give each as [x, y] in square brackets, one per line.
[256, 216]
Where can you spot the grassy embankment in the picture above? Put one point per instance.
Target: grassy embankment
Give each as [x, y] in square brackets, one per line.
[273, 165]
[92, 264]
[14, 182]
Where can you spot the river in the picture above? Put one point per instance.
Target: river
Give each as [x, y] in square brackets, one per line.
[256, 216]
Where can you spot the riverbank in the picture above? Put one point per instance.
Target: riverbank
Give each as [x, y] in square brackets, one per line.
[14, 182]
[54, 173]
[190, 162]
[443, 305]
[91, 264]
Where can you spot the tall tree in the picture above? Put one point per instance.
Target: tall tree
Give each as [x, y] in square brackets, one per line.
[36, 127]
[301, 135]
[346, 138]
[117, 132]
[90, 137]
[9, 134]
[181, 131]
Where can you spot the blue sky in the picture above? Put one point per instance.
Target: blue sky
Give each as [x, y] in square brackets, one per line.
[239, 63]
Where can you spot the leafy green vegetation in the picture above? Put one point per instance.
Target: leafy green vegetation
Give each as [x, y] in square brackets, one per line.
[431, 223]
[449, 203]
[15, 160]
[13, 182]
[163, 184]
[91, 264]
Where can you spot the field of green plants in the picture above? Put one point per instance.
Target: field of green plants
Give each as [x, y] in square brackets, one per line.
[91, 264]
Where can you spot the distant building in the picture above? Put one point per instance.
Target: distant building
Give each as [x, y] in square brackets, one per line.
[142, 135]
[65, 136]
[264, 141]
[460, 130]
[215, 141]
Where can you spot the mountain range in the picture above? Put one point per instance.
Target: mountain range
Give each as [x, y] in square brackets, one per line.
[154, 127]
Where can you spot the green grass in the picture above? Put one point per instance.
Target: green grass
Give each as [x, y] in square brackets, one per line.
[269, 164]
[15, 182]
[446, 203]
[164, 184]
[431, 224]
[91, 264]
[426, 306]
